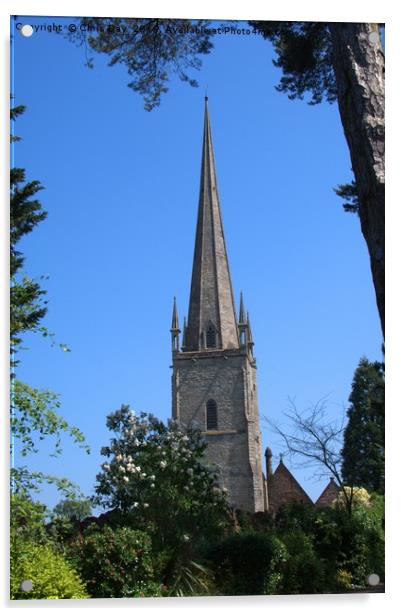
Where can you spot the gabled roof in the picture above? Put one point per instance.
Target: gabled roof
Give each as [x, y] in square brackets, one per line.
[329, 494]
[283, 488]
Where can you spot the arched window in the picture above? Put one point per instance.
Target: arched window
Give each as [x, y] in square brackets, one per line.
[211, 337]
[211, 415]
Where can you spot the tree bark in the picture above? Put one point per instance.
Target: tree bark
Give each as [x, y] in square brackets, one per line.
[358, 62]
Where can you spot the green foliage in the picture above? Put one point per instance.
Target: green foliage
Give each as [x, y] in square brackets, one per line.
[23, 480]
[303, 571]
[51, 575]
[304, 53]
[363, 449]
[14, 113]
[114, 562]
[34, 412]
[191, 579]
[151, 49]
[248, 563]
[157, 474]
[71, 509]
[349, 193]
[27, 519]
[335, 542]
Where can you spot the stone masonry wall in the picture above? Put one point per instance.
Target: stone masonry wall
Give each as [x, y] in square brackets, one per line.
[235, 447]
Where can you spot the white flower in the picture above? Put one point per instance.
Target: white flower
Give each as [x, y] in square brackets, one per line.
[190, 471]
[135, 504]
[152, 485]
[106, 467]
[163, 464]
[185, 439]
[138, 468]
[146, 505]
[143, 475]
[185, 537]
[119, 457]
[125, 478]
[158, 447]
[136, 442]
[122, 469]
[163, 453]
[129, 458]
[152, 477]
[186, 488]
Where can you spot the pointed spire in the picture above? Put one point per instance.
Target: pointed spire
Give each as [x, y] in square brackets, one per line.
[174, 321]
[241, 319]
[175, 329]
[211, 319]
[250, 339]
[184, 334]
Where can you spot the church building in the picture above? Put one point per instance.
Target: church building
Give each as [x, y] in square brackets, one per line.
[214, 369]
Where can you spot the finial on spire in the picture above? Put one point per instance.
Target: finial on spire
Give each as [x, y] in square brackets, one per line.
[174, 321]
[175, 329]
[184, 333]
[250, 339]
[206, 96]
[241, 319]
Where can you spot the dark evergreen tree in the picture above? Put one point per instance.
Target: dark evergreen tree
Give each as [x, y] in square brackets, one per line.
[27, 307]
[363, 450]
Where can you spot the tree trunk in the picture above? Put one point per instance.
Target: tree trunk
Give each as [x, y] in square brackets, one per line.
[358, 62]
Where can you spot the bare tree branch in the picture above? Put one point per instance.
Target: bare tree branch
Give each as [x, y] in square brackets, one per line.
[317, 440]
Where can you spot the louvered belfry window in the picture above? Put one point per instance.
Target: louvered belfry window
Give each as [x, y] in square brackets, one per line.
[211, 415]
[211, 337]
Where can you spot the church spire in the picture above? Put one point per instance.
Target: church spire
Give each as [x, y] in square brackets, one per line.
[211, 318]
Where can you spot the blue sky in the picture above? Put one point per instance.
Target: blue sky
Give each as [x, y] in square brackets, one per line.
[121, 191]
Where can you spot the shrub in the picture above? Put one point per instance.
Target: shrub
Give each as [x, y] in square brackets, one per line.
[248, 564]
[156, 475]
[303, 572]
[114, 562]
[51, 575]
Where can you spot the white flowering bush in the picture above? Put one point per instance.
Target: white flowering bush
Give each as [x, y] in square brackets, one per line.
[157, 477]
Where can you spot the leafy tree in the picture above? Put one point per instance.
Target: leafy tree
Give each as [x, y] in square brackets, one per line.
[343, 62]
[363, 449]
[33, 411]
[73, 509]
[27, 519]
[151, 49]
[248, 563]
[50, 575]
[156, 476]
[114, 562]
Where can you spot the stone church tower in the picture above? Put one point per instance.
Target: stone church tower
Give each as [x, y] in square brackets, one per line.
[214, 370]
